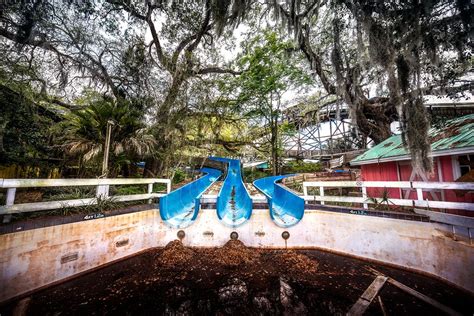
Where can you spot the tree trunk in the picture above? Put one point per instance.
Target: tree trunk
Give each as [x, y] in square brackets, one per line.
[274, 145]
[373, 118]
[152, 168]
[3, 125]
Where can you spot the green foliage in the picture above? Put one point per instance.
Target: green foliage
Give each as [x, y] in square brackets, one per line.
[295, 185]
[268, 71]
[159, 188]
[268, 68]
[383, 200]
[288, 129]
[102, 204]
[24, 128]
[136, 189]
[68, 193]
[301, 167]
[179, 176]
[250, 175]
[129, 189]
[49, 49]
[85, 132]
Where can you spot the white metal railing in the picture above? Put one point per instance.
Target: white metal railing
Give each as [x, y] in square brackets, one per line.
[414, 185]
[102, 191]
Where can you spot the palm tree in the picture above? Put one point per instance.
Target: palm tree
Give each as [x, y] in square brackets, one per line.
[85, 132]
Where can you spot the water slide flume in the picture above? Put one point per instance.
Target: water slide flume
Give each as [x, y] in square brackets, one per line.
[234, 205]
[286, 208]
[180, 207]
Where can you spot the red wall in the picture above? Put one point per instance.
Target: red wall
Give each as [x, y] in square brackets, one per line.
[386, 171]
[405, 175]
[453, 195]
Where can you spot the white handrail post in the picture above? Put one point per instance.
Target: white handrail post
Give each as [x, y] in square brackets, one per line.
[305, 191]
[102, 191]
[168, 186]
[364, 195]
[419, 194]
[150, 191]
[321, 194]
[11, 192]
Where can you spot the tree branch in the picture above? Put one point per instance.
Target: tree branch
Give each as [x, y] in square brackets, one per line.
[217, 70]
[156, 40]
[204, 27]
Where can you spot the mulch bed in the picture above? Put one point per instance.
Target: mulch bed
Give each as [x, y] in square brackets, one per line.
[235, 280]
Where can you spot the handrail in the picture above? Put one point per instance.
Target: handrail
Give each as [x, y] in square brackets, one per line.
[41, 183]
[102, 191]
[419, 186]
[393, 184]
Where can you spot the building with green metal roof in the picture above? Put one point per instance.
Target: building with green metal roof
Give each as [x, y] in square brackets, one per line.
[455, 137]
[452, 146]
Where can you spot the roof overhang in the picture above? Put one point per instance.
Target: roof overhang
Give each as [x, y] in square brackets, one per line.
[438, 153]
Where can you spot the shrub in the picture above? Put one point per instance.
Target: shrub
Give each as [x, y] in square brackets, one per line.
[301, 167]
[129, 190]
[250, 175]
[179, 176]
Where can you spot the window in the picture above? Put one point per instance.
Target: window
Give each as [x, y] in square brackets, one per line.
[466, 164]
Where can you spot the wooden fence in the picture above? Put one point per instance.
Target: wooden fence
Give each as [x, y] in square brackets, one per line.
[17, 171]
[320, 176]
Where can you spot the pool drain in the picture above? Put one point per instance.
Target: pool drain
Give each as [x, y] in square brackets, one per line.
[234, 236]
[181, 234]
[285, 235]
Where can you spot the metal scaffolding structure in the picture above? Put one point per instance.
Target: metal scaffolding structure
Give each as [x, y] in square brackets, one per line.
[328, 132]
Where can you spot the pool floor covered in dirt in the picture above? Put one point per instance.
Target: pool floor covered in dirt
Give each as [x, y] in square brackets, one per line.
[236, 280]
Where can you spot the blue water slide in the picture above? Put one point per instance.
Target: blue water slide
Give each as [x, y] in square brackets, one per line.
[180, 207]
[286, 208]
[234, 205]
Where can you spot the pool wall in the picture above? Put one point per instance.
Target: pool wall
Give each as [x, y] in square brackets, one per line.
[36, 258]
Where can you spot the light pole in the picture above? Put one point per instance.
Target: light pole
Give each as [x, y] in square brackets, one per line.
[105, 161]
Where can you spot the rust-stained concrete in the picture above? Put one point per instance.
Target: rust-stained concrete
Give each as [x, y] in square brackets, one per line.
[34, 258]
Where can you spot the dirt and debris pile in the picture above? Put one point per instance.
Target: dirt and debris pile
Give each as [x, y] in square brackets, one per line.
[295, 262]
[175, 253]
[235, 253]
[186, 281]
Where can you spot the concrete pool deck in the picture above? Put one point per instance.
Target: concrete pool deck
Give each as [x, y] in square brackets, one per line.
[36, 258]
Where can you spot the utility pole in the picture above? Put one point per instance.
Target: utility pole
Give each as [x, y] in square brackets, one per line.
[105, 161]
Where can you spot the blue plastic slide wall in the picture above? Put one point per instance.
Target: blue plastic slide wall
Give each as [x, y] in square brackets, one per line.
[180, 207]
[286, 208]
[234, 205]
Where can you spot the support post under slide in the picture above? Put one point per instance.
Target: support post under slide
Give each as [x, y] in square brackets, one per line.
[234, 204]
[286, 208]
[180, 207]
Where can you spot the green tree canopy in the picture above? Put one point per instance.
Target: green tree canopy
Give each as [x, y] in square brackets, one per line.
[268, 71]
[84, 132]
